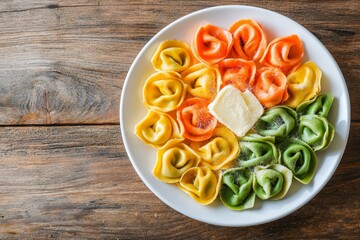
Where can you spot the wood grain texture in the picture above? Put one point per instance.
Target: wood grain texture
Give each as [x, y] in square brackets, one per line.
[64, 171]
[64, 182]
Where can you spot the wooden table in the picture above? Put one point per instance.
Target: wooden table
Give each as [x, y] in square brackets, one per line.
[64, 172]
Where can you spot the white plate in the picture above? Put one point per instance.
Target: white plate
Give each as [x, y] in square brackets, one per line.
[143, 157]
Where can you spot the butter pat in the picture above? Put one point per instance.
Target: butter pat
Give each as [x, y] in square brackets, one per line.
[237, 110]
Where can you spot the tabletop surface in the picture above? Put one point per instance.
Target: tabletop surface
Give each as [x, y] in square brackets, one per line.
[63, 166]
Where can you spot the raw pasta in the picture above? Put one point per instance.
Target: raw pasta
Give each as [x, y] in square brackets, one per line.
[236, 190]
[303, 84]
[173, 55]
[195, 120]
[164, 91]
[272, 181]
[157, 128]
[212, 44]
[299, 158]
[202, 81]
[232, 148]
[173, 160]
[285, 53]
[270, 86]
[201, 183]
[257, 150]
[219, 150]
[237, 72]
[250, 40]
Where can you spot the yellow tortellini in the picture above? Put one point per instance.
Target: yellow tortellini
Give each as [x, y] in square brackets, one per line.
[157, 128]
[202, 80]
[303, 84]
[219, 150]
[172, 55]
[201, 183]
[164, 91]
[173, 160]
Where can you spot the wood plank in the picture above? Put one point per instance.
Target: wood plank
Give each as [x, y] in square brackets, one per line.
[67, 60]
[77, 182]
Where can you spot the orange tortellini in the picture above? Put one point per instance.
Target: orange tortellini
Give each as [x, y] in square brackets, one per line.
[303, 84]
[173, 160]
[201, 183]
[157, 128]
[164, 91]
[201, 80]
[285, 53]
[173, 55]
[220, 150]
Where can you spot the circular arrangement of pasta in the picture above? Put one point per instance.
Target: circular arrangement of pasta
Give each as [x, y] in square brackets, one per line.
[234, 115]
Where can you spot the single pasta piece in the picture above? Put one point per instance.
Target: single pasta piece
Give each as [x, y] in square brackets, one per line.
[316, 131]
[299, 158]
[201, 183]
[212, 44]
[250, 40]
[157, 128]
[257, 150]
[164, 91]
[173, 55]
[237, 72]
[303, 84]
[270, 86]
[277, 122]
[272, 181]
[220, 150]
[236, 191]
[285, 53]
[195, 120]
[173, 160]
[319, 105]
[202, 81]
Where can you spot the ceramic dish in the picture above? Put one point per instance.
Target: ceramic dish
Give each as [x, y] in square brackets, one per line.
[143, 157]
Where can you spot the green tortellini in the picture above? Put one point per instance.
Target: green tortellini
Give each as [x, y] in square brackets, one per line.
[272, 181]
[257, 150]
[316, 131]
[236, 190]
[320, 105]
[277, 121]
[299, 158]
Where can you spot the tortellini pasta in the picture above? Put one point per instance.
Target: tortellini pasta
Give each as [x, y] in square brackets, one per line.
[272, 181]
[250, 40]
[242, 141]
[212, 44]
[237, 72]
[270, 86]
[157, 128]
[257, 150]
[164, 91]
[201, 183]
[220, 150]
[202, 81]
[173, 160]
[195, 120]
[303, 84]
[172, 55]
[285, 53]
[236, 191]
[316, 131]
[319, 105]
[299, 158]
[278, 121]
